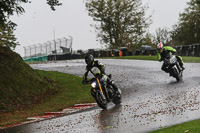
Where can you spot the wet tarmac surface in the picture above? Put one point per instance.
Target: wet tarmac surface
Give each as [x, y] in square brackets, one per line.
[150, 99]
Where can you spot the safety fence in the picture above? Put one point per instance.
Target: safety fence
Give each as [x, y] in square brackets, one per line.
[189, 50]
[80, 54]
[58, 46]
[184, 50]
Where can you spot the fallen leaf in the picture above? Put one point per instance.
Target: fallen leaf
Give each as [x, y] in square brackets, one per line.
[108, 127]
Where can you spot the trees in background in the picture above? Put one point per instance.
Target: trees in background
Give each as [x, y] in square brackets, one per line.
[119, 23]
[162, 35]
[8, 8]
[7, 37]
[187, 31]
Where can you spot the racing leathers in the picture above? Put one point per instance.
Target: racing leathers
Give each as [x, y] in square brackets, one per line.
[97, 64]
[98, 69]
[165, 53]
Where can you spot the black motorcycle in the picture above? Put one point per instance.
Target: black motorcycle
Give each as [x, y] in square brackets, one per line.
[103, 92]
[174, 67]
[102, 89]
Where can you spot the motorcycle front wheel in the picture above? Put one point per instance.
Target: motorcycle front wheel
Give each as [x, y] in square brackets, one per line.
[177, 75]
[101, 100]
[180, 75]
[117, 100]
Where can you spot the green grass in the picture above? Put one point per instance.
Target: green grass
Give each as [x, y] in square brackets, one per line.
[188, 127]
[154, 58]
[133, 57]
[20, 85]
[70, 91]
[25, 92]
[191, 59]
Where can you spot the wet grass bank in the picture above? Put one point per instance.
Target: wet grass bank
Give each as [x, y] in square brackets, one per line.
[70, 91]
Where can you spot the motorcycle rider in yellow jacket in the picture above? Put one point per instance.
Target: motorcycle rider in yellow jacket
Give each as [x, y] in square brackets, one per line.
[91, 64]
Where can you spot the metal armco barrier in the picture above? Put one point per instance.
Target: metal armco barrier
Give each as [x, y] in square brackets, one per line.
[53, 47]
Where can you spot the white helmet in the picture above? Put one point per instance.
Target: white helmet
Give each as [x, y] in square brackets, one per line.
[159, 46]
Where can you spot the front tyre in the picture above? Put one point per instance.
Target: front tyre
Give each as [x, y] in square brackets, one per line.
[176, 74]
[177, 78]
[117, 99]
[180, 75]
[101, 100]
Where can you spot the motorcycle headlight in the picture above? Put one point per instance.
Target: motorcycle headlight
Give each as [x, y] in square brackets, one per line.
[94, 84]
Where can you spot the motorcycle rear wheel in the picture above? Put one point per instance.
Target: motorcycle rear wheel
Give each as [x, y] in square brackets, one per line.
[176, 74]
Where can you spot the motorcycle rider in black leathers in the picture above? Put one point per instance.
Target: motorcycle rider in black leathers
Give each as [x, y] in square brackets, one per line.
[164, 52]
[89, 60]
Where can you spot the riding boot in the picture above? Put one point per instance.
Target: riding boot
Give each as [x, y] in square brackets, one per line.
[110, 82]
[180, 63]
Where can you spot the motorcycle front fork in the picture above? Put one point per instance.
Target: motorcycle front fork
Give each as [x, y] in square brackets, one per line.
[92, 92]
[179, 67]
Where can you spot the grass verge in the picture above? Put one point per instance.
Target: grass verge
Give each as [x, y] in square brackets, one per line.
[134, 57]
[187, 127]
[70, 92]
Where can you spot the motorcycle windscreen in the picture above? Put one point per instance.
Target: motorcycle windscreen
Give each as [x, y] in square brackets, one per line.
[95, 70]
[173, 59]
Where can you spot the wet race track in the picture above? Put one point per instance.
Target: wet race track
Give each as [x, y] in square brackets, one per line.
[150, 99]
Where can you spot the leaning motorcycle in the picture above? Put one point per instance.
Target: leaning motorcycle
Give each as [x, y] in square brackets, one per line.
[174, 67]
[102, 91]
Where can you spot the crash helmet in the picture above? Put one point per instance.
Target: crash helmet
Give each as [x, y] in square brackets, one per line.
[160, 46]
[89, 59]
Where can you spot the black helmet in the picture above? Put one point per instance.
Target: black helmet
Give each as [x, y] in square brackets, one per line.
[89, 59]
